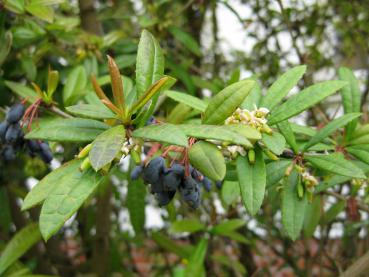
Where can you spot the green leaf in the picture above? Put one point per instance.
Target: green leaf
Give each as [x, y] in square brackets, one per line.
[286, 130]
[293, 208]
[247, 131]
[252, 180]
[282, 86]
[363, 139]
[336, 163]
[304, 100]
[227, 226]
[207, 158]
[332, 212]
[91, 111]
[312, 216]
[230, 192]
[72, 130]
[275, 171]
[43, 188]
[186, 39]
[187, 225]
[335, 180]
[167, 133]
[162, 84]
[192, 101]
[361, 152]
[330, 128]
[149, 63]
[75, 85]
[350, 96]
[223, 133]
[274, 142]
[69, 195]
[227, 101]
[16, 6]
[23, 91]
[41, 11]
[171, 246]
[253, 98]
[19, 245]
[197, 260]
[136, 204]
[106, 146]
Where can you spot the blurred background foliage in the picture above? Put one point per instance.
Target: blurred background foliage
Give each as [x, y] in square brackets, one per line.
[74, 38]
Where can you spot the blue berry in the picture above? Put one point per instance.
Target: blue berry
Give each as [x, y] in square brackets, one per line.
[136, 172]
[15, 113]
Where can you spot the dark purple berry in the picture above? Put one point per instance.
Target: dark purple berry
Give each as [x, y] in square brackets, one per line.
[190, 192]
[152, 172]
[45, 152]
[3, 127]
[206, 183]
[136, 172]
[33, 146]
[165, 197]
[219, 184]
[8, 153]
[150, 121]
[15, 113]
[13, 133]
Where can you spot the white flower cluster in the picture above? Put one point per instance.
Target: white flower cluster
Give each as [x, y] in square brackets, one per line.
[128, 145]
[256, 118]
[309, 180]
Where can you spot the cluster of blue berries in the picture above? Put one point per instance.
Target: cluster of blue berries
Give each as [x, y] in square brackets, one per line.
[166, 181]
[12, 138]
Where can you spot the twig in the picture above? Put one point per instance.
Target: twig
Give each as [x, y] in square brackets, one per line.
[59, 112]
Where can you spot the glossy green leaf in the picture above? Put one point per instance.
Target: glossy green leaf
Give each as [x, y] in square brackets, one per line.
[72, 130]
[230, 192]
[19, 245]
[63, 201]
[136, 205]
[282, 86]
[187, 225]
[149, 63]
[293, 208]
[75, 85]
[171, 246]
[361, 152]
[91, 111]
[208, 159]
[226, 102]
[43, 188]
[223, 133]
[304, 100]
[23, 91]
[196, 261]
[274, 142]
[330, 128]
[252, 181]
[106, 146]
[41, 11]
[16, 6]
[363, 139]
[336, 163]
[228, 226]
[331, 182]
[167, 133]
[253, 98]
[286, 130]
[351, 96]
[312, 216]
[160, 85]
[275, 171]
[192, 101]
[247, 131]
[186, 39]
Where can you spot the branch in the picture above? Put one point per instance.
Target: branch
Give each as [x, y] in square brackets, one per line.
[360, 267]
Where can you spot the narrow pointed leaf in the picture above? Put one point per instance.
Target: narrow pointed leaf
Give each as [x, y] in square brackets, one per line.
[23, 91]
[19, 245]
[351, 98]
[196, 261]
[336, 163]
[150, 62]
[304, 100]
[75, 85]
[207, 158]
[162, 84]
[312, 216]
[43, 188]
[136, 205]
[62, 202]
[106, 146]
[330, 128]
[227, 101]
[72, 130]
[116, 83]
[293, 208]
[91, 111]
[282, 86]
[167, 133]
[286, 130]
[187, 225]
[192, 101]
[252, 181]
[274, 142]
[275, 171]
[361, 152]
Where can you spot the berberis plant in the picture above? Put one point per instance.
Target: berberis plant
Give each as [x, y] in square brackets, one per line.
[238, 135]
